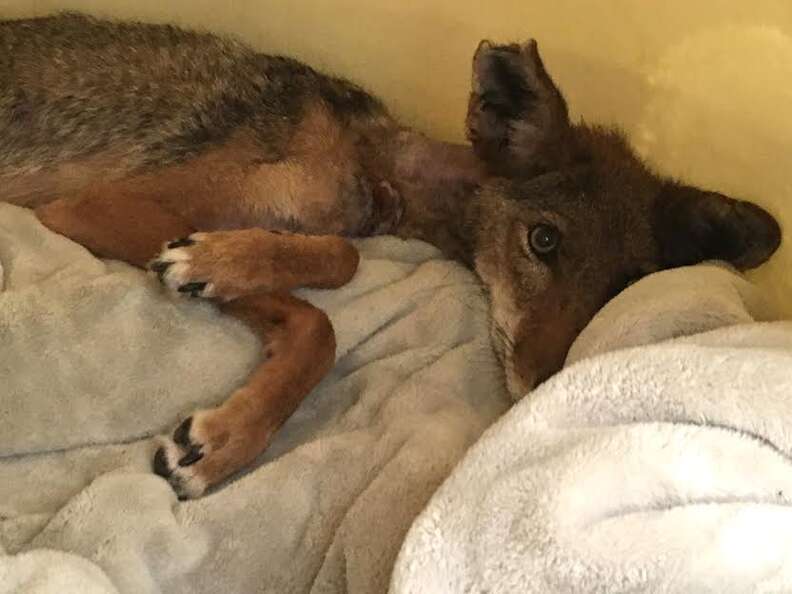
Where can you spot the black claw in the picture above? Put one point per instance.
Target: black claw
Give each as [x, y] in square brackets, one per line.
[160, 464]
[194, 289]
[182, 242]
[160, 266]
[181, 435]
[191, 457]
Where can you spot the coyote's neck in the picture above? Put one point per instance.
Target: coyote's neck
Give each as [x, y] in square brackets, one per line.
[437, 181]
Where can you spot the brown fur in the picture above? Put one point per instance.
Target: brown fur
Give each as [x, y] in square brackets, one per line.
[114, 226]
[124, 136]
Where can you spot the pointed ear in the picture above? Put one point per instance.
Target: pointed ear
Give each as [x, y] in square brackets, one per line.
[692, 225]
[517, 118]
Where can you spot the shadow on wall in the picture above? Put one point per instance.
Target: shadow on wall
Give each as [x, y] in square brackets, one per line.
[718, 114]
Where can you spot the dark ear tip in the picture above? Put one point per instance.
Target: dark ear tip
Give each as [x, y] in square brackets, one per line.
[764, 232]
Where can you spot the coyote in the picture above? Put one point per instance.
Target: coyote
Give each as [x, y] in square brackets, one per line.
[238, 176]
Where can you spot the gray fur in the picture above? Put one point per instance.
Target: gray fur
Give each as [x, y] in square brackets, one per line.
[72, 86]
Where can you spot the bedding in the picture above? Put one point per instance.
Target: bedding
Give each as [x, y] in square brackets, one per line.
[658, 460]
[96, 361]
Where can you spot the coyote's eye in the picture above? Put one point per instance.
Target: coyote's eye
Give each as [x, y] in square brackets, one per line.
[544, 239]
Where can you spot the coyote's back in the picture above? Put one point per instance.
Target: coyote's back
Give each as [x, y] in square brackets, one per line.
[123, 97]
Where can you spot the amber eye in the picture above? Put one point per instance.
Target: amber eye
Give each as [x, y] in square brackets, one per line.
[544, 239]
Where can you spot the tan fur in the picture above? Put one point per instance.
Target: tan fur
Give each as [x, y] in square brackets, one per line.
[247, 261]
[307, 185]
[195, 190]
[35, 186]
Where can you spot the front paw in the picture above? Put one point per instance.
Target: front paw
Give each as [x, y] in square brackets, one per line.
[177, 267]
[204, 449]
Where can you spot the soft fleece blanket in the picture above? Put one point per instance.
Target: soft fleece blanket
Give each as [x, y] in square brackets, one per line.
[659, 460]
[95, 359]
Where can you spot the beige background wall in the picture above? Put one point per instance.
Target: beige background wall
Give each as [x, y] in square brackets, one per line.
[703, 87]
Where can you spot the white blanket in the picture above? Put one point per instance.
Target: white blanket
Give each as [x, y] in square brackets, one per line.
[95, 359]
[659, 460]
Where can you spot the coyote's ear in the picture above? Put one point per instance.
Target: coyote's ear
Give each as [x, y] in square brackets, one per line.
[517, 118]
[692, 225]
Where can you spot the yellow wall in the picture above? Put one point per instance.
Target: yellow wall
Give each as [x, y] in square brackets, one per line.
[703, 87]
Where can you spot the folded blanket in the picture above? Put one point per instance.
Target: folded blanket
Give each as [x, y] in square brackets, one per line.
[659, 460]
[95, 359]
